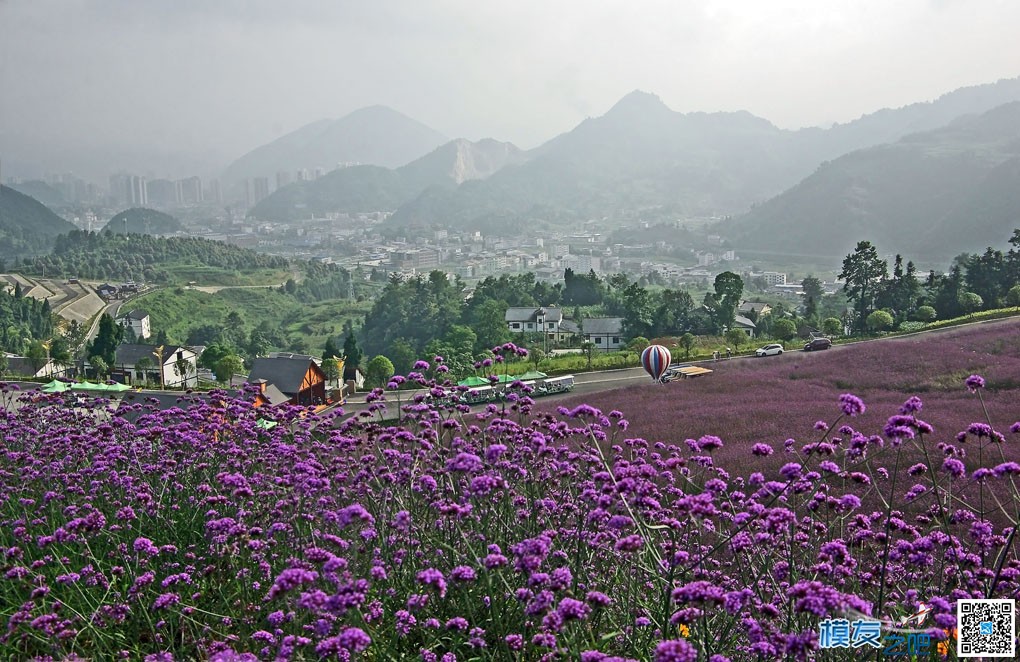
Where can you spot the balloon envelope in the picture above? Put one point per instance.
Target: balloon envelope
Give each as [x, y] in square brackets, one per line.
[655, 360]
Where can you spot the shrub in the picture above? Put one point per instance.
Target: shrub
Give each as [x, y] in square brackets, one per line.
[784, 329]
[910, 327]
[831, 326]
[378, 371]
[879, 320]
[925, 314]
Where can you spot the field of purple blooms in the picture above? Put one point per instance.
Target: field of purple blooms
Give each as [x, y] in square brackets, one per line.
[517, 534]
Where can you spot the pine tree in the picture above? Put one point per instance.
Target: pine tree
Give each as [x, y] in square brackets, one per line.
[351, 351]
[106, 341]
[331, 350]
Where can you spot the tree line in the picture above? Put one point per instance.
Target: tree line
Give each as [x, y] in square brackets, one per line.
[882, 300]
[106, 255]
[424, 316]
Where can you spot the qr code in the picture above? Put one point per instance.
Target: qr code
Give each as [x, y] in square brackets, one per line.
[986, 628]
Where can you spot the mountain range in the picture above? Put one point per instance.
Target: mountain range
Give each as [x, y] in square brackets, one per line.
[640, 159]
[369, 188]
[376, 135]
[932, 194]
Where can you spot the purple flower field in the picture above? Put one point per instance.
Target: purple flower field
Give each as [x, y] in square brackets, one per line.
[670, 523]
[769, 400]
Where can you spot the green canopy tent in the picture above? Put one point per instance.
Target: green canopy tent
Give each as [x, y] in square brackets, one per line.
[265, 424]
[100, 388]
[532, 374]
[474, 381]
[56, 386]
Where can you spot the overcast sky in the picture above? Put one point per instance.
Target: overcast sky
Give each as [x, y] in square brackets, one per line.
[196, 83]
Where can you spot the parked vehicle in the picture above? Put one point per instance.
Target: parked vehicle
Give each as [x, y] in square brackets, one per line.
[769, 350]
[556, 385]
[817, 343]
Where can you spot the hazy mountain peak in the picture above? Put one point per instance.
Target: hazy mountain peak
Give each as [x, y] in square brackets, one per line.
[460, 160]
[374, 135]
[638, 102]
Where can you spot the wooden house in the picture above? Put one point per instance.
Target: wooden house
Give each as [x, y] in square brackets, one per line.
[297, 377]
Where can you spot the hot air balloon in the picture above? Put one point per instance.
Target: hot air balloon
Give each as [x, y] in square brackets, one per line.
[655, 360]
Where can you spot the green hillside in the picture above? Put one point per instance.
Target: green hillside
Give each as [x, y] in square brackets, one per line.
[932, 195]
[27, 226]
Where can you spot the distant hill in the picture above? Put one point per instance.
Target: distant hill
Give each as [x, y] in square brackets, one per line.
[372, 188]
[933, 195]
[26, 225]
[140, 220]
[376, 135]
[42, 192]
[642, 157]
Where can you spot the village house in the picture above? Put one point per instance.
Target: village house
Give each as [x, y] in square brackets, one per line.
[296, 376]
[745, 325]
[534, 320]
[606, 333]
[139, 364]
[754, 309]
[138, 321]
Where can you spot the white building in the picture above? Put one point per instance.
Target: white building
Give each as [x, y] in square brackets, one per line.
[138, 322]
[534, 320]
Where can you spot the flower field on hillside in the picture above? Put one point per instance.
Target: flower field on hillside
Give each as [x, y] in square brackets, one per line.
[510, 534]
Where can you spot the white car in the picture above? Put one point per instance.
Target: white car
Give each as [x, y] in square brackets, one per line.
[769, 350]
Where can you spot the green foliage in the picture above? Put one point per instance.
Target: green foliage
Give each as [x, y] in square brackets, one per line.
[970, 302]
[22, 320]
[37, 355]
[736, 337]
[488, 321]
[729, 287]
[924, 314]
[1013, 296]
[266, 319]
[331, 369]
[879, 320]
[403, 355]
[813, 293]
[327, 282]
[108, 336]
[833, 327]
[417, 311]
[378, 372]
[862, 272]
[108, 256]
[585, 290]
[331, 350]
[228, 366]
[784, 329]
[688, 341]
[100, 365]
[352, 353]
[60, 350]
[638, 344]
